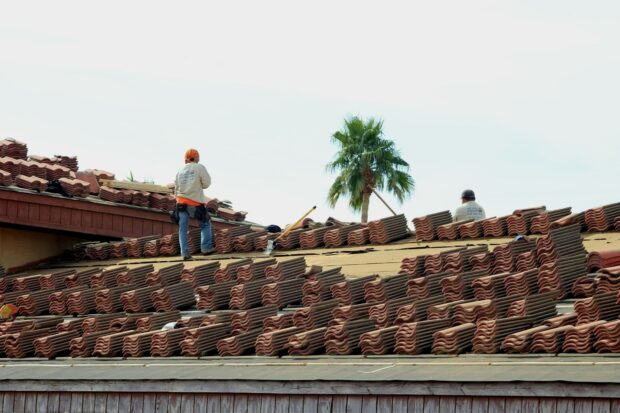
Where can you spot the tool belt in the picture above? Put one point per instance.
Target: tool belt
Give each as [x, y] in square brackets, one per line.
[199, 213]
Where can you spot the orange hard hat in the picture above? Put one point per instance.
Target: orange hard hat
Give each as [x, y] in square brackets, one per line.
[191, 155]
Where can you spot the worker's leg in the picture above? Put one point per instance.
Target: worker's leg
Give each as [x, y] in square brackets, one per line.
[183, 226]
[206, 237]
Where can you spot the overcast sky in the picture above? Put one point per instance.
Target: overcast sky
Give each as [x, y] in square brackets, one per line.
[517, 100]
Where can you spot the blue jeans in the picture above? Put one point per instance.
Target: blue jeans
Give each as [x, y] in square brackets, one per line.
[206, 242]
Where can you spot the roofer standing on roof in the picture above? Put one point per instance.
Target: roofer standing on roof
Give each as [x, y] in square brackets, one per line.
[189, 184]
[470, 208]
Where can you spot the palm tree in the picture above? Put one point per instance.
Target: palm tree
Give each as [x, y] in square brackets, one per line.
[366, 161]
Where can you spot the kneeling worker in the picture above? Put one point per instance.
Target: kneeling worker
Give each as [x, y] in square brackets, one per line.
[470, 208]
[189, 184]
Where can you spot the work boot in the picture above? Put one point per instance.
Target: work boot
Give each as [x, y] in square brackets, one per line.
[188, 258]
[209, 251]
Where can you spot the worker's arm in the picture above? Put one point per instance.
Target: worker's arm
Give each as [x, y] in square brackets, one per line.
[205, 178]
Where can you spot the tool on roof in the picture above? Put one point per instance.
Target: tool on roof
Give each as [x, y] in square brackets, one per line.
[271, 244]
[8, 312]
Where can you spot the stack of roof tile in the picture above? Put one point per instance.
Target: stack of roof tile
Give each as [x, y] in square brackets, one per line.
[459, 286]
[243, 321]
[490, 334]
[344, 338]
[519, 221]
[283, 293]
[427, 286]
[313, 238]
[414, 266]
[578, 218]
[135, 246]
[70, 162]
[426, 226]
[247, 295]
[541, 224]
[351, 291]
[31, 182]
[525, 282]
[337, 237]
[389, 229]
[580, 339]
[602, 218]
[550, 340]
[450, 231]
[474, 311]
[307, 342]
[382, 289]
[607, 337]
[247, 242]
[108, 300]
[20, 345]
[167, 275]
[537, 307]
[136, 276]
[315, 315]
[287, 269]
[238, 344]
[459, 261]
[318, 287]
[359, 236]
[34, 302]
[417, 338]
[13, 148]
[379, 341]
[254, 270]
[415, 311]
[55, 344]
[275, 342]
[231, 215]
[229, 272]
[203, 340]
[351, 312]
[472, 229]
[199, 275]
[602, 306]
[260, 242]
[495, 227]
[561, 274]
[505, 255]
[138, 300]
[277, 322]
[58, 300]
[157, 321]
[6, 178]
[75, 187]
[214, 296]
[99, 251]
[161, 201]
[603, 259]
[175, 296]
[111, 194]
[169, 244]
[453, 340]
[140, 198]
[224, 237]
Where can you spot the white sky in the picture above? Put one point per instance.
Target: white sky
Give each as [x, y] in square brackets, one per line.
[517, 100]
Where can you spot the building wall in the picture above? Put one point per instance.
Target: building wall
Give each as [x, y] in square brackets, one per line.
[19, 247]
[118, 402]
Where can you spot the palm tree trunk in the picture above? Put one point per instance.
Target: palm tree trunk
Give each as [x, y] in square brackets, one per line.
[365, 202]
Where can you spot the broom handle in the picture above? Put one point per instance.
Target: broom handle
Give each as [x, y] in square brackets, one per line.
[286, 231]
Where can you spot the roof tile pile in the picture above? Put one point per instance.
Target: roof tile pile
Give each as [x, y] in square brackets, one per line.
[541, 224]
[224, 237]
[495, 226]
[75, 187]
[426, 227]
[31, 182]
[13, 148]
[389, 229]
[602, 218]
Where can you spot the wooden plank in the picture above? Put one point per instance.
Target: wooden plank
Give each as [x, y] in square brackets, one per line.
[42, 399]
[399, 404]
[431, 404]
[149, 402]
[583, 405]
[513, 405]
[227, 403]
[497, 404]
[615, 406]
[339, 404]
[137, 402]
[267, 403]
[369, 404]
[310, 404]
[354, 404]
[124, 402]
[88, 402]
[565, 405]
[100, 399]
[213, 404]
[30, 403]
[76, 402]
[415, 404]
[296, 403]
[136, 186]
[187, 403]
[324, 404]
[174, 403]
[546, 405]
[161, 402]
[64, 404]
[282, 403]
[111, 404]
[463, 404]
[601, 406]
[53, 400]
[480, 404]
[240, 403]
[8, 401]
[254, 403]
[447, 404]
[384, 403]
[20, 402]
[529, 404]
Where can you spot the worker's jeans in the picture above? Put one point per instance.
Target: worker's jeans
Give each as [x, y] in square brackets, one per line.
[206, 242]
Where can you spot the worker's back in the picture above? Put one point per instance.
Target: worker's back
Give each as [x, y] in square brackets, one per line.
[469, 210]
[191, 180]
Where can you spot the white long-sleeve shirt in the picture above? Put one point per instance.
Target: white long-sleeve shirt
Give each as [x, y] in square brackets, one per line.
[191, 180]
[469, 210]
